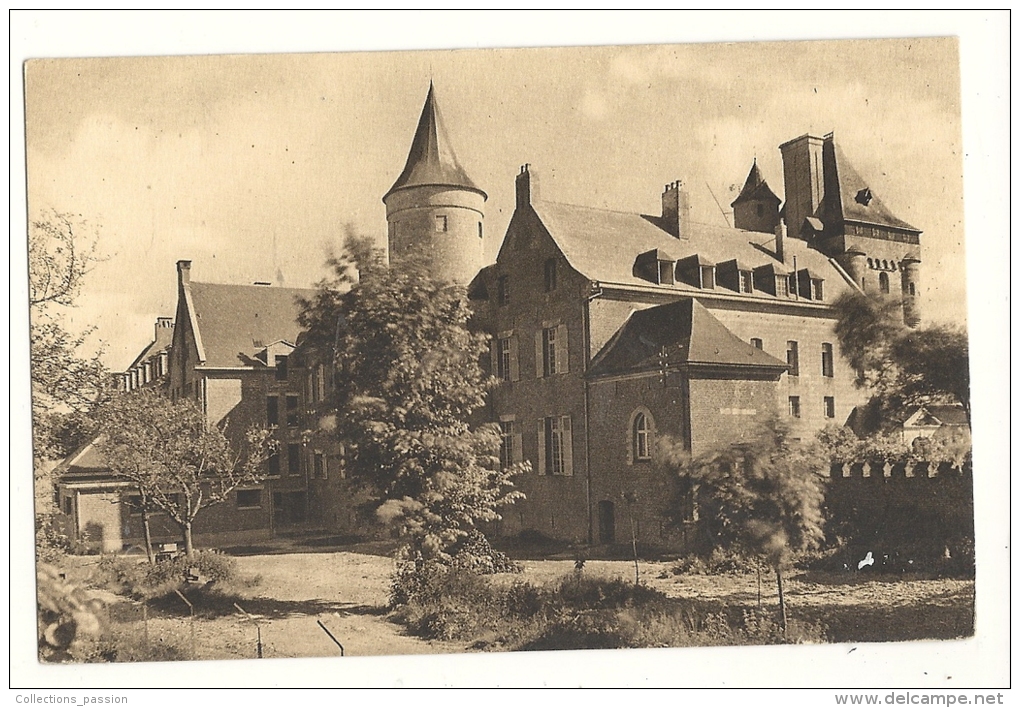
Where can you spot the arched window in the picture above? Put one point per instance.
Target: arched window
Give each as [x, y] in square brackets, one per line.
[642, 438]
[883, 282]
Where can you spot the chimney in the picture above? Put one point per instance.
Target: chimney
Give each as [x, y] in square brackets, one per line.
[527, 186]
[781, 242]
[163, 326]
[803, 180]
[676, 208]
[183, 272]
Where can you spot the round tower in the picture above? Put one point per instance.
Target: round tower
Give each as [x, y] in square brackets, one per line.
[434, 211]
[856, 263]
[910, 270]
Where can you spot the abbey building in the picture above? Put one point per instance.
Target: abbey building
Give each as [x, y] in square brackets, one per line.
[611, 331]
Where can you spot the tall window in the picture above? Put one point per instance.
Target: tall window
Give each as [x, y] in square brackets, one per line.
[829, 404]
[273, 465]
[292, 410]
[792, 358]
[549, 351]
[883, 282]
[555, 446]
[503, 359]
[480, 230]
[294, 458]
[503, 290]
[757, 343]
[827, 360]
[508, 453]
[550, 275]
[795, 406]
[281, 368]
[441, 223]
[319, 465]
[272, 410]
[642, 433]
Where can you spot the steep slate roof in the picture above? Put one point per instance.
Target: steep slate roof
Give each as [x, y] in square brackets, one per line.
[431, 160]
[238, 321]
[691, 336]
[602, 245]
[755, 188]
[847, 194]
[164, 338]
[951, 415]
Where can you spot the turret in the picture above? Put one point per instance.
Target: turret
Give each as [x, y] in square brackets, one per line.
[756, 208]
[910, 272]
[434, 211]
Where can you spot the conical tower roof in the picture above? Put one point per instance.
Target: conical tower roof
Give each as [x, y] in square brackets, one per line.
[755, 188]
[431, 160]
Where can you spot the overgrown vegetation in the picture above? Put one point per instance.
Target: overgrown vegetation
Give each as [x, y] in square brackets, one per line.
[205, 571]
[579, 612]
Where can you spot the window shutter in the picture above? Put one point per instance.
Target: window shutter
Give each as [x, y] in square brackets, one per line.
[539, 355]
[568, 446]
[515, 364]
[517, 453]
[541, 443]
[494, 356]
[562, 361]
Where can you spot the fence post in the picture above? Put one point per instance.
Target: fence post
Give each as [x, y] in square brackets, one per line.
[258, 631]
[192, 608]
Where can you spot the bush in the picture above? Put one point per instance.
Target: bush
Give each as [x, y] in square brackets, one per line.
[137, 579]
[576, 612]
[717, 563]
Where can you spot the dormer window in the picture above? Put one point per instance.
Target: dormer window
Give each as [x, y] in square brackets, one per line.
[441, 223]
[281, 368]
[782, 286]
[655, 266]
[708, 277]
[665, 272]
[744, 277]
[697, 271]
[809, 285]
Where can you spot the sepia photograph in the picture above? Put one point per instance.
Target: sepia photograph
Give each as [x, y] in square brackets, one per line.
[490, 351]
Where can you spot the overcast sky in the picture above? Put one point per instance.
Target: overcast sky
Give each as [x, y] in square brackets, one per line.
[251, 165]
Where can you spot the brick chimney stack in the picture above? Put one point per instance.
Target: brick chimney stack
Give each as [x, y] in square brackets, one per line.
[527, 186]
[676, 209]
[183, 272]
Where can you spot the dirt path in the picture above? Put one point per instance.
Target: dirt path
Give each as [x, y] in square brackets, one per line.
[347, 592]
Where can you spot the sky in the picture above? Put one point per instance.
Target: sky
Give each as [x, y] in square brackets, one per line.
[251, 165]
[217, 159]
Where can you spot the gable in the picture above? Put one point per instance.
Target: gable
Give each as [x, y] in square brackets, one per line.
[681, 333]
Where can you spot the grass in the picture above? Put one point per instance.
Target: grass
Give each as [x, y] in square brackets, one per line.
[544, 607]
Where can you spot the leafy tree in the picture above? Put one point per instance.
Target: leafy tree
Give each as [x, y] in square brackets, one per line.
[763, 496]
[178, 463]
[409, 386]
[62, 250]
[902, 367]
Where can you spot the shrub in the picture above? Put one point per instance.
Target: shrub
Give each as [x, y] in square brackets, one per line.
[138, 579]
[717, 563]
